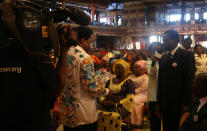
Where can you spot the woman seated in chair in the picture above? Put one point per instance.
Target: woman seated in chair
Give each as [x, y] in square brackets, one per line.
[118, 104]
[196, 118]
[140, 79]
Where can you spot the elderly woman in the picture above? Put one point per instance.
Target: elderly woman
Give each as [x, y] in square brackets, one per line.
[119, 103]
[141, 79]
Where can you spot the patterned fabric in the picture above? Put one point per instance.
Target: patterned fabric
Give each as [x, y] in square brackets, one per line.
[124, 64]
[102, 76]
[111, 119]
[124, 94]
[127, 102]
[115, 88]
[95, 59]
[77, 104]
[126, 90]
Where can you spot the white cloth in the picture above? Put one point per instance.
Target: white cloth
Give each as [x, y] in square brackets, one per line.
[174, 50]
[201, 63]
[203, 101]
[107, 75]
[153, 80]
[77, 103]
[182, 47]
[137, 114]
[141, 87]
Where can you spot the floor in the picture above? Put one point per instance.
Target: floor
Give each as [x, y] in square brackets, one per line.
[145, 126]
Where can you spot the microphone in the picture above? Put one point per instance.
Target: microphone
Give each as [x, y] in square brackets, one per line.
[80, 17]
[75, 14]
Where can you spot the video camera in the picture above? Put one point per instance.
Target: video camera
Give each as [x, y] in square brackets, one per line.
[33, 24]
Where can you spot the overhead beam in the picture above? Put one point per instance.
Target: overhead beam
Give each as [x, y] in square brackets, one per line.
[102, 3]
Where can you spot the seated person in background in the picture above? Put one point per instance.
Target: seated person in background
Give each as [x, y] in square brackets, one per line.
[140, 79]
[119, 103]
[96, 61]
[104, 72]
[129, 58]
[196, 118]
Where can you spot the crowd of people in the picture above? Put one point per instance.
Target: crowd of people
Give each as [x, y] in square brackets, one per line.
[107, 90]
[161, 76]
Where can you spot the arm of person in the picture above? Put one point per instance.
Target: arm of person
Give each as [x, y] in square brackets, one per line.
[87, 76]
[61, 65]
[104, 99]
[153, 71]
[61, 70]
[183, 118]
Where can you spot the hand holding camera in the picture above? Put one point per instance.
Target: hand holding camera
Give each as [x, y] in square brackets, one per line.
[67, 35]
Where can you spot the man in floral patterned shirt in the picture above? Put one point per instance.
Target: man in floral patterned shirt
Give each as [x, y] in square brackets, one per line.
[77, 102]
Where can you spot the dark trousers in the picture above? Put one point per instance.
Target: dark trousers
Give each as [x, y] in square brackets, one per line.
[171, 121]
[86, 127]
[155, 122]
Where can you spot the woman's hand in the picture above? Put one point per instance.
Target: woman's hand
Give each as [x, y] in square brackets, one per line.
[100, 92]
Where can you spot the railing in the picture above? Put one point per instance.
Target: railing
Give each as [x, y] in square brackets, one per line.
[182, 29]
[149, 30]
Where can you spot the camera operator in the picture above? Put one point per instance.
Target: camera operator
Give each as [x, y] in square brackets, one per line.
[27, 85]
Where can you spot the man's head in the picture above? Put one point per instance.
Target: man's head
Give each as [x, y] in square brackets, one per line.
[200, 85]
[84, 37]
[154, 46]
[170, 40]
[187, 43]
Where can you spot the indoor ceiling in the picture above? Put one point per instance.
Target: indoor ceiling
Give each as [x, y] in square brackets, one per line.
[105, 3]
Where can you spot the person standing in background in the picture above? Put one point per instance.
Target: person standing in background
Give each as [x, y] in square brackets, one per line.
[201, 60]
[186, 45]
[175, 77]
[152, 68]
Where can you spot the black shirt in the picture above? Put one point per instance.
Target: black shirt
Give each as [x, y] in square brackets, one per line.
[25, 84]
